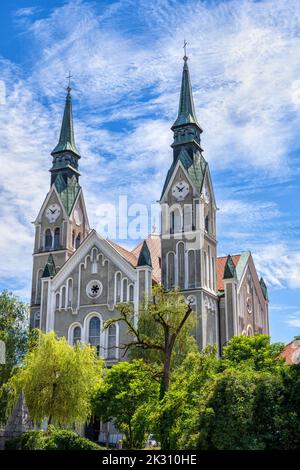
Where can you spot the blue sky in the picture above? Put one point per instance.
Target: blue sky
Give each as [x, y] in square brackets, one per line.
[126, 62]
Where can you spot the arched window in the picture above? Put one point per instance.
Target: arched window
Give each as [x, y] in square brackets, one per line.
[176, 220]
[77, 242]
[76, 334]
[207, 223]
[188, 217]
[48, 239]
[94, 333]
[181, 272]
[73, 239]
[191, 268]
[170, 270]
[249, 330]
[111, 342]
[131, 293]
[57, 300]
[70, 292]
[63, 297]
[118, 287]
[36, 320]
[205, 268]
[56, 238]
[125, 286]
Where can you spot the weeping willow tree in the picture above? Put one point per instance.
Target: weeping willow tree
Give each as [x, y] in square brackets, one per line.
[57, 380]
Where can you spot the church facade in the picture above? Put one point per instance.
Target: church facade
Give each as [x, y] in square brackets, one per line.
[79, 277]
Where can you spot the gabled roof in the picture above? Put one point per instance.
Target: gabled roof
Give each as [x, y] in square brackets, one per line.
[195, 168]
[154, 246]
[229, 270]
[221, 264]
[144, 258]
[68, 192]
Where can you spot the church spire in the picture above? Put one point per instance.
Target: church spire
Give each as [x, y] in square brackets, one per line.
[66, 139]
[65, 154]
[186, 128]
[186, 110]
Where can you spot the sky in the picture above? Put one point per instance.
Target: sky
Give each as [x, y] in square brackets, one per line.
[125, 59]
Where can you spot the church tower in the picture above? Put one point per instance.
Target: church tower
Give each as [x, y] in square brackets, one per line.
[62, 223]
[188, 244]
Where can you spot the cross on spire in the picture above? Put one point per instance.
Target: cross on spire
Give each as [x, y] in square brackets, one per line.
[185, 57]
[69, 81]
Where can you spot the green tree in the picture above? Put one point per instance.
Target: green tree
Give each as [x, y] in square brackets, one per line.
[162, 338]
[255, 352]
[14, 333]
[57, 380]
[125, 388]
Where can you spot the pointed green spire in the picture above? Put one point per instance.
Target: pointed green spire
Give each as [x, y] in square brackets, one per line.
[144, 257]
[264, 288]
[49, 270]
[229, 271]
[186, 111]
[66, 139]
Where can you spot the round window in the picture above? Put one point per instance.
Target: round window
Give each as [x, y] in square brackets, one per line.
[94, 289]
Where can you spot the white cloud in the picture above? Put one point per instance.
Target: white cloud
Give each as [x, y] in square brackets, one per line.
[293, 320]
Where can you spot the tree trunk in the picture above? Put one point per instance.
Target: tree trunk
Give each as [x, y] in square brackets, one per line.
[164, 387]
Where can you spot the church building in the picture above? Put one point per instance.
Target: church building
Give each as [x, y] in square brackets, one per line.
[79, 276]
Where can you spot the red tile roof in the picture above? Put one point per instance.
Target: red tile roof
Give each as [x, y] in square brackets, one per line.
[291, 352]
[221, 262]
[153, 243]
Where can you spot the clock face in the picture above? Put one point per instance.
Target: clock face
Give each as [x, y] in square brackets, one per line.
[78, 216]
[180, 190]
[53, 212]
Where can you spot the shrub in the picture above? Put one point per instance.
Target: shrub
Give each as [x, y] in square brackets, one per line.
[52, 439]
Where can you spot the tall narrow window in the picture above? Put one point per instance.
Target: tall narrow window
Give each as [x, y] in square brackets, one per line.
[172, 222]
[36, 322]
[48, 239]
[205, 268]
[77, 242]
[70, 292]
[170, 270]
[112, 342]
[39, 286]
[181, 273]
[118, 287]
[63, 297]
[76, 335]
[207, 223]
[125, 286]
[56, 238]
[188, 217]
[209, 268]
[192, 268]
[73, 239]
[94, 333]
[131, 293]
[57, 300]
[177, 221]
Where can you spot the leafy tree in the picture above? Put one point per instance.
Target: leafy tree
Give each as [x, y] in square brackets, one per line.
[254, 352]
[13, 332]
[57, 380]
[162, 337]
[125, 388]
[163, 334]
